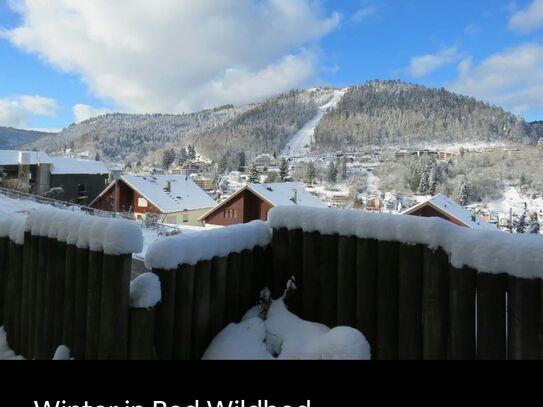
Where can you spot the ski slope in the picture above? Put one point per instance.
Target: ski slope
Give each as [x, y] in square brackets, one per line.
[299, 144]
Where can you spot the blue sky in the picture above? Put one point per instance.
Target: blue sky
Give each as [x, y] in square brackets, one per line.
[64, 63]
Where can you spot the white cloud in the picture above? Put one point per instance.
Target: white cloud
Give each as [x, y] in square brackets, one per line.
[512, 78]
[364, 12]
[17, 111]
[426, 64]
[83, 112]
[174, 56]
[528, 19]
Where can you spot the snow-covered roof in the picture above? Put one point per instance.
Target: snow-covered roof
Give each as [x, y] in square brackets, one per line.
[449, 207]
[63, 165]
[60, 165]
[281, 193]
[184, 194]
[13, 157]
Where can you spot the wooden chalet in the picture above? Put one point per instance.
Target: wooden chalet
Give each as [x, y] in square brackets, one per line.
[253, 202]
[174, 199]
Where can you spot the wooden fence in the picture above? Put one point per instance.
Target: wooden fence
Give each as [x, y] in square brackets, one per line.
[408, 300]
[56, 293]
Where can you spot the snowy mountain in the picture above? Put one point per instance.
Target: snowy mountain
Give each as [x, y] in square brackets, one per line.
[11, 138]
[376, 113]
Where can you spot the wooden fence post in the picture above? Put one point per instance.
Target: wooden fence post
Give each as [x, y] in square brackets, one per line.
[184, 309]
[524, 313]
[60, 278]
[280, 262]
[387, 300]
[94, 295]
[233, 289]
[462, 314]
[47, 327]
[4, 247]
[295, 268]
[219, 270]
[114, 307]
[260, 275]
[435, 304]
[346, 289]
[39, 306]
[310, 276]
[246, 280]
[200, 313]
[491, 316]
[16, 299]
[32, 296]
[165, 314]
[328, 279]
[25, 294]
[8, 297]
[81, 293]
[410, 302]
[141, 334]
[70, 290]
[366, 291]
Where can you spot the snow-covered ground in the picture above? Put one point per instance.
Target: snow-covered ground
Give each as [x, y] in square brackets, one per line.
[513, 199]
[283, 335]
[300, 142]
[5, 351]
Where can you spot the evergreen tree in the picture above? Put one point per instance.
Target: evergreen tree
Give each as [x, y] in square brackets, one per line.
[254, 177]
[168, 157]
[534, 227]
[241, 160]
[332, 172]
[183, 156]
[191, 152]
[432, 181]
[310, 173]
[522, 221]
[272, 177]
[283, 169]
[462, 194]
[223, 164]
[97, 156]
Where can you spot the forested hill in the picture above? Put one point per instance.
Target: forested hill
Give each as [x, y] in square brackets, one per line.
[11, 138]
[376, 113]
[255, 128]
[393, 112]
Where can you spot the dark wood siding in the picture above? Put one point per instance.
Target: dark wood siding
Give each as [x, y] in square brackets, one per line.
[91, 184]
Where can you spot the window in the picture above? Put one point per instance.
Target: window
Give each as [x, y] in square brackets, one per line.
[142, 202]
[231, 213]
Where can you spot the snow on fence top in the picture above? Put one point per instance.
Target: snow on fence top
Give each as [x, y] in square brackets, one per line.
[486, 251]
[113, 236]
[172, 251]
[17, 230]
[145, 291]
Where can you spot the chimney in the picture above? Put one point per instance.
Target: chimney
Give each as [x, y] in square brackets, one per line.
[168, 186]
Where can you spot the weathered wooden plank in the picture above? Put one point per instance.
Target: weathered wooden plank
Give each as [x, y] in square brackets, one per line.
[295, 268]
[435, 304]
[16, 286]
[33, 280]
[48, 300]
[141, 334]
[310, 276]
[4, 250]
[491, 316]
[94, 298]
[233, 289]
[41, 286]
[346, 288]
[165, 314]
[366, 290]
[387, 300]
[219, 271]
[260, 275]
[114, 307]
[8, 294]
[280, 262]
[247, 299]
[25, 294]
[524, 313]
[328, 278]
[200, 322]
[80, 310]
[184, 308]
[410, 263]
[60, 280]
[68, 328]
[462, 314]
